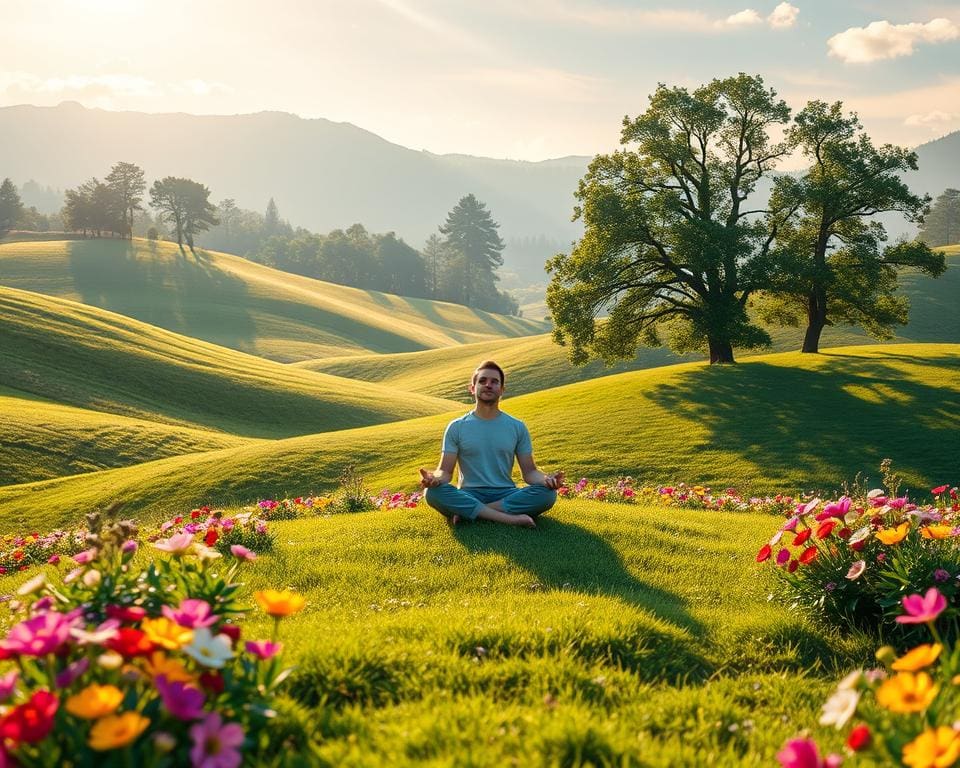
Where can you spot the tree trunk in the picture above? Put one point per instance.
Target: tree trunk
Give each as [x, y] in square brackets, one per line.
[720, 351]
[816, 320]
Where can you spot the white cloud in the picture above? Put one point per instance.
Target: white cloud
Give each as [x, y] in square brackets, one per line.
[112, 84]
[745, 18]
[202, 87]
[784, 16]
[934, 120]
[883, 40]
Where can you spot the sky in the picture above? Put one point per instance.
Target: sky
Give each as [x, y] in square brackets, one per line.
[519, 79]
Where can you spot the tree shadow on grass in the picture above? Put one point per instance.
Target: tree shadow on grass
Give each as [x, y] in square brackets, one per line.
[826, 424]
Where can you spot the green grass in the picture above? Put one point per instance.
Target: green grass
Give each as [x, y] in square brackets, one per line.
[79, 355]
[43, 440]
[785, 422]
[610, 635]
[235, 303]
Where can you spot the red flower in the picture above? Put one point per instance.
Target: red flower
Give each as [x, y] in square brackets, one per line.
[178, 519]
[808, 556]
[211, 538]
[130, 613]
[826, 529]
[858, 546]
[130, 642]
[801, 537]
[195, 514]
[230, 630]
[844, 533]
[764, 553]
[31, 721]
[939, 489]
[213, 682]
[793, 566]
[859, 738]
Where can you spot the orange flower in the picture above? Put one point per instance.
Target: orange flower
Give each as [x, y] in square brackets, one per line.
[172, 669]
[907, 692]
[934, 748]
[115, 731]
[920, 657]
[94, 701]
[893, 535]
[808, 556]
[936, 531]
[278, 604]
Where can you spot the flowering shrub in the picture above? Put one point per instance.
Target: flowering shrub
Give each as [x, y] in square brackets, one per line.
[291, 509]
[681, 495]
[389, 500]
[17, 553]
[246, 529]
[908, 706]
[852, 561]
[128, 665]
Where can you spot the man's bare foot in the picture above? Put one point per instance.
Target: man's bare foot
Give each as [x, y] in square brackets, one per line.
[453, 521]
[523, 520]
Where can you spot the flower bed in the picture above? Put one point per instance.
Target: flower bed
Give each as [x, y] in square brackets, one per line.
[139, 665]
[18, 553]
[852, 561]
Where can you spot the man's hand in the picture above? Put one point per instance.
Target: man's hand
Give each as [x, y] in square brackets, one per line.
[428, 479]
[554, 481]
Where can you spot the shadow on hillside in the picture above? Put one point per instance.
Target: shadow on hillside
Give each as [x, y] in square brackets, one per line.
[828, 423]
[179, 290]
[564, 556]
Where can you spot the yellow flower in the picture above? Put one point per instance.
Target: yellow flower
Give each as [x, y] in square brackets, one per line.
[94, 701]
[920, 657]
[276, 603]
[166, 633]
[116, 731]
[936, 531]
[172, 669]
[893, 535]
[907, 692]
[934, 748]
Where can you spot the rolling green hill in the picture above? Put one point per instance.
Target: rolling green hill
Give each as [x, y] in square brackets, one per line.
[79, 355]
[43, 440]
[787, 422]
[235, 303]
[535, 363]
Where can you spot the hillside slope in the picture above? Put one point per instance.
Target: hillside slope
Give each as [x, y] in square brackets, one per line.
[79, 355]
[235, 303]
[784, 422]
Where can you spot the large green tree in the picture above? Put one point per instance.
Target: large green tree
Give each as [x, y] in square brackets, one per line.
[834, 266]
[185, 204]
[942, 225]
[669, 243]
[94, 207]
[127, 185]
[472, 234]
[11, 207]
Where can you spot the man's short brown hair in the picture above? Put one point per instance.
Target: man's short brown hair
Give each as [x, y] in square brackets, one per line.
[489, 364]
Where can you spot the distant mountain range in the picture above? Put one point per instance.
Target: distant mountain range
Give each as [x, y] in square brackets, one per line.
[326, 175]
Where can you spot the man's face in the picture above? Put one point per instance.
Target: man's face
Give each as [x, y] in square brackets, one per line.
[487, 388]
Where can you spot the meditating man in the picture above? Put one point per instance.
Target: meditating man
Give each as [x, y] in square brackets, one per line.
[484, 443]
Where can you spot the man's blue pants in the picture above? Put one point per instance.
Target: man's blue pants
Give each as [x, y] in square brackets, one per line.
[449, 500]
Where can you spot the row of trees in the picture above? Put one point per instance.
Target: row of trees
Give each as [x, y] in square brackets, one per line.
[673, 250]
[942, 225]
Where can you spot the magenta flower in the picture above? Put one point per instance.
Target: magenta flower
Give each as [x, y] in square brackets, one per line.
[263, 649]
[54, 560]
[85, 557]
[192, 613]
[181, 700]
[8, 684]
[72, 673]
[129, 547]
[241, 552]
[783, 556]
[835, 509]
[803, 753]
[40, 635]
[923, 608]
[215, 743]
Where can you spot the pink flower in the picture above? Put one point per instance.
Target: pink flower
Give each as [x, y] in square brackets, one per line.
[40, 635]
[791, 524]
[921, 609]
[241, 552]
[835, 509]
[192, 613]
[181, 700]
[856, 570]
[803, 753]
[176, 544]
[85, 557]
[215, 743]
[8, 684]
[54, 560]
[263, 649]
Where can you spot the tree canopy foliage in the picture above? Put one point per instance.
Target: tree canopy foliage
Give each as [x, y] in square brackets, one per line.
[942, 225]
[11, 207]
[185, 204]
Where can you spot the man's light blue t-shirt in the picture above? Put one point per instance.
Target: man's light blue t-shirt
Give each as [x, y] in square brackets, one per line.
[486, 448]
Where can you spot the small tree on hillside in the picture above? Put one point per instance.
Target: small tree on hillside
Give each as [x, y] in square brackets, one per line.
[94, 207]
[834, 266]
[127, 184]
[185, 204]
[669, 244]
[11, 207]
[434, 255]
[471, 232]
[942, 225]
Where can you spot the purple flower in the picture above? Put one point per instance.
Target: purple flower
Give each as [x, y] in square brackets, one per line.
[183, 701]
[215, 743]
[192, 613]
[129, 547]
[40, 635]
[73, 671]
[940, 575]
[263, 649]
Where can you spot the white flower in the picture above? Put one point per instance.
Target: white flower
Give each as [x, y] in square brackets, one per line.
[209, 650]
[776, 538]
[856, 570]
[850, 681]
[91, 578]
[100, 636]
[29, 587]
[810, 506]
[875, 493]
[859, 535]
[840, 708]
[202, 552]
[110, 660]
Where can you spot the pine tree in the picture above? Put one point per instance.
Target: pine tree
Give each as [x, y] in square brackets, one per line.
[471, 231]
[127, 186]
[942, 225]
[11, 207]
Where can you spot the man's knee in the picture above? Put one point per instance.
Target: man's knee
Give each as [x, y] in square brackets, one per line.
[549, 497]
[432, 496]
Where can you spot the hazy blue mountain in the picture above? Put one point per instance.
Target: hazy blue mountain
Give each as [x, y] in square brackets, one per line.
[323, 175]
